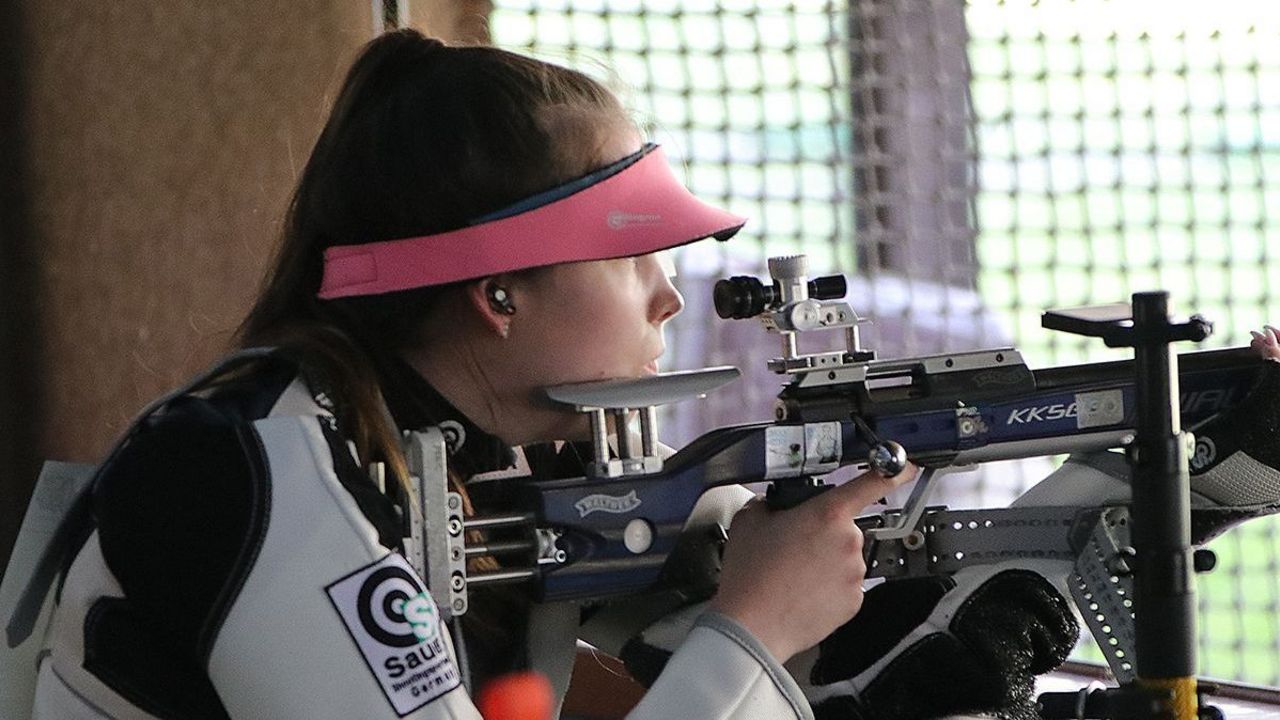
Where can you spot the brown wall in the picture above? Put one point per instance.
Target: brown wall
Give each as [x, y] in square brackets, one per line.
[462, 22]
[147, 151]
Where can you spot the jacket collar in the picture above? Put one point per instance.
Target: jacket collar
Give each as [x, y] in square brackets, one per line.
[414, 404]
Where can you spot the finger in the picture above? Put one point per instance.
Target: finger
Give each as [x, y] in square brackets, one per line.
[869, 487]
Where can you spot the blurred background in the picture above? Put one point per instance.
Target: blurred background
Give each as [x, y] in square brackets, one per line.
[966, 164]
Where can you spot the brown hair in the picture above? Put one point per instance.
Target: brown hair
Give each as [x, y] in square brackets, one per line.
[422, 139]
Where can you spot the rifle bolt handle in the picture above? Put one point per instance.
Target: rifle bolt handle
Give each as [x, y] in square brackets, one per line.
[887, 458]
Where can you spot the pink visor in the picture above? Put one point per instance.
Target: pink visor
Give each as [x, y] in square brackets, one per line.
[632, 207]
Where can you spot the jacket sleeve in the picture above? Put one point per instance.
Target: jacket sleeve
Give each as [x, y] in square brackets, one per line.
[721, 671]
[328, 623]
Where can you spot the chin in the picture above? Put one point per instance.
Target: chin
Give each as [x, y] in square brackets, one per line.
[577, 429]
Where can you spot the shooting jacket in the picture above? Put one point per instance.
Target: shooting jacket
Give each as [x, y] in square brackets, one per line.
[241, 564]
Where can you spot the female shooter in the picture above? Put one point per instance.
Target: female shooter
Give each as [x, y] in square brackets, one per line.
[472, 226]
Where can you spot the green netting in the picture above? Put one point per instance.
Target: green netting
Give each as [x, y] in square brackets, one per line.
[1127, 146]
[1131, 146]
[983, 167]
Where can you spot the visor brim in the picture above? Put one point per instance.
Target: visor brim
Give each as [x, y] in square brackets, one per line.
[640, 209]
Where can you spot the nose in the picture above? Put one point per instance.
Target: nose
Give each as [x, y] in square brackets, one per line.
[665, 300]
[669, 302]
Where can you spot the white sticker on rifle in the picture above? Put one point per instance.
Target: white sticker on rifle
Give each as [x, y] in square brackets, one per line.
[396, 625]
[822, 447]
[1099, 409]
[783, 451]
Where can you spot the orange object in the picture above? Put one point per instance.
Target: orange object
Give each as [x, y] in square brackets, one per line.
[518, 696]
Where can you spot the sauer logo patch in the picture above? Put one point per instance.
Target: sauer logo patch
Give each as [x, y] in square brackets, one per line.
[396, 625]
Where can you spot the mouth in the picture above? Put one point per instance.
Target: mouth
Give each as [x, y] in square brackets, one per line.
[651, 367]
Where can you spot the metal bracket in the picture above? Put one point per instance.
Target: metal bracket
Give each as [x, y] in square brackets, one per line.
[1102, 587]
[1096, 544]
[948, 541]
[436, 545]
[619, 398]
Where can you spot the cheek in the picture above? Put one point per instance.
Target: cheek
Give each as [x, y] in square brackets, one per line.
[608, 347]
[589, 322]
[608, 306]
[599, 340]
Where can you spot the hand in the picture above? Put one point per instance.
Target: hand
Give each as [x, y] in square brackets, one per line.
[793, 576]
[1267, 342]
[932, 646]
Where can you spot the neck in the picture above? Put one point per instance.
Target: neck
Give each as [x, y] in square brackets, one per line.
[476, 376]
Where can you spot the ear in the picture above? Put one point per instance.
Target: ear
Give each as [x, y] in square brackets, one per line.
[479, 294]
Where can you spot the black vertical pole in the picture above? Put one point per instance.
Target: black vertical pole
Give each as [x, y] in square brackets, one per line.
[1166, 624]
